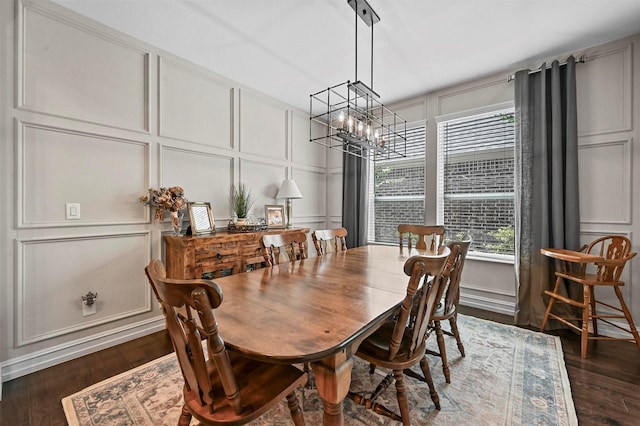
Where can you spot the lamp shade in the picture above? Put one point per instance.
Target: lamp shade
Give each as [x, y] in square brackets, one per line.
[289, 189]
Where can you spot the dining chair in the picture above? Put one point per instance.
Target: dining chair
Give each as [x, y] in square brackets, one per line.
[291, 246]
[221, 387]
[447, 307]
[323, 239]
[613, 251]
[425, 237]
[401, 344]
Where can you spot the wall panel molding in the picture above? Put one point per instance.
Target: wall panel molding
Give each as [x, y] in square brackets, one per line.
[302, 150]
[606, 106]
[52, 80]
[204, 176]
[194, 105]
[38, 360]
[263, 126]
[313, 185]
[53, 289]
[609, 188]
[56, 166]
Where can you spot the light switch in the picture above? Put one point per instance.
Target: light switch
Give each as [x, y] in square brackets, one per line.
[73, 211]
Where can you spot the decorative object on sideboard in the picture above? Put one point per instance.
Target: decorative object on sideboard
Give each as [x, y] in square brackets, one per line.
[201, 218]
[350, 115]
[289, 191]
[274, 215]
[250, 225]
[241, 202]
[172, 199]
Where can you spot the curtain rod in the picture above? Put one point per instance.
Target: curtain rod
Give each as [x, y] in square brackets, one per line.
[580, 60]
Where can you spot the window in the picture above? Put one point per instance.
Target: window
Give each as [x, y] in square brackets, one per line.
[396, 189]
[476, 179]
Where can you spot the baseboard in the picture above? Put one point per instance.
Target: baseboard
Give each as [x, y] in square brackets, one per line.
[488, 304]
[23, 365]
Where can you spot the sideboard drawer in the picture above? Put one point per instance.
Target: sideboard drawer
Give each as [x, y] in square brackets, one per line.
[188, 257]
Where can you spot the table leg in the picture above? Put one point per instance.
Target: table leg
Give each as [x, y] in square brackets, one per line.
[333, 378]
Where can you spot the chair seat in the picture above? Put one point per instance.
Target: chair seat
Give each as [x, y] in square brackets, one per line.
[588, 279]
[261, 383]
[375, 349]
[439, 314]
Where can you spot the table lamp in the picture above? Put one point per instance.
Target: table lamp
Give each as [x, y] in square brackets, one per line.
[289, 190]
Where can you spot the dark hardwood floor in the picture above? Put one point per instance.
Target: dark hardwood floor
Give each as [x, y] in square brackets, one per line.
[605, 387]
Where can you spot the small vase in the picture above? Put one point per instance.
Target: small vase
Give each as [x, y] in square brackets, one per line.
[176, 222]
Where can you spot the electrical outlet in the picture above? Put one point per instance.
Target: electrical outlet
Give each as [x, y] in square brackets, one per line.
[88, 309]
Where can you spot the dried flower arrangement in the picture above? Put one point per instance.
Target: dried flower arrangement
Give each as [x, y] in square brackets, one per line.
[172, 199]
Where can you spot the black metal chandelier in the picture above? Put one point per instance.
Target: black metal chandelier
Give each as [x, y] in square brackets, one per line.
[350, 117]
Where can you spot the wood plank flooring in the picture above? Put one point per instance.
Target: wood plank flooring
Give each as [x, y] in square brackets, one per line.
[605, 387]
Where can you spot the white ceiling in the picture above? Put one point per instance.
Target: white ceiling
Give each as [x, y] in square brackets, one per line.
[291, 48]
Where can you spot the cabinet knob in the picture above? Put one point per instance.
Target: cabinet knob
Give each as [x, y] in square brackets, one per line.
[219, 256]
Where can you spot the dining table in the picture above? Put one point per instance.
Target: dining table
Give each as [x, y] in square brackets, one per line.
[315, 310]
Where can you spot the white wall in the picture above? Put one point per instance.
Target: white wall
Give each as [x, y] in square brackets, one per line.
[94, 117]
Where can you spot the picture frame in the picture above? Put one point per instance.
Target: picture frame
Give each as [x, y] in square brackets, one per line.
[274, 215]
[201, 218]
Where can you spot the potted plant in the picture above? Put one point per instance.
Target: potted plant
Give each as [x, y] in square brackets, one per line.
[241, 201]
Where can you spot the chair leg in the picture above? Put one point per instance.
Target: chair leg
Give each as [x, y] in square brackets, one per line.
[593, 314]
[424, 365]
[552, 300]
[403, 402]
[584, 339]
[369, 404]
[627, 315]
[294, 408]
[311, 379]
[443, 351]
[185, 416]
[453, 323]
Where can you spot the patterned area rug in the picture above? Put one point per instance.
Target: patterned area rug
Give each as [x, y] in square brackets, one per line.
[509, 376]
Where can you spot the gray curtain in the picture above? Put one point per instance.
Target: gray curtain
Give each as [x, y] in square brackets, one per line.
[354, 197]
[546, 181]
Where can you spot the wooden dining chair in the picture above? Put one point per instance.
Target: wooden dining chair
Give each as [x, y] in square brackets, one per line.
[425, 237]
[221, 387]
[400, 344]
[447, 308]
[291, 246]
[324, 239]
[615, 252]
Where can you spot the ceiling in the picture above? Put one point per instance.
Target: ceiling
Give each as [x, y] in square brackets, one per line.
[289, 49]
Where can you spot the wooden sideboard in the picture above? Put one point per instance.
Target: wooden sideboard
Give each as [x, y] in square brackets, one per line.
[188, 257]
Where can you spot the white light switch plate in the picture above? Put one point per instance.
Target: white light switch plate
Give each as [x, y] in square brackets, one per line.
[73, 211]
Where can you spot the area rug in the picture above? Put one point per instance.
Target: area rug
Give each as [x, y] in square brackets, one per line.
[509, 376]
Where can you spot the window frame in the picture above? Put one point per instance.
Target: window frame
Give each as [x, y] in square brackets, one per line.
[504, 107]
[371, 230]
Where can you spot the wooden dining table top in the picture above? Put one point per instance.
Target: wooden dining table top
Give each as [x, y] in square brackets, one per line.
[306, 310]
[317, 311]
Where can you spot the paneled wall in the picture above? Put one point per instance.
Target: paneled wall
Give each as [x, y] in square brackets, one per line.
[608, 91]
[94, 117]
